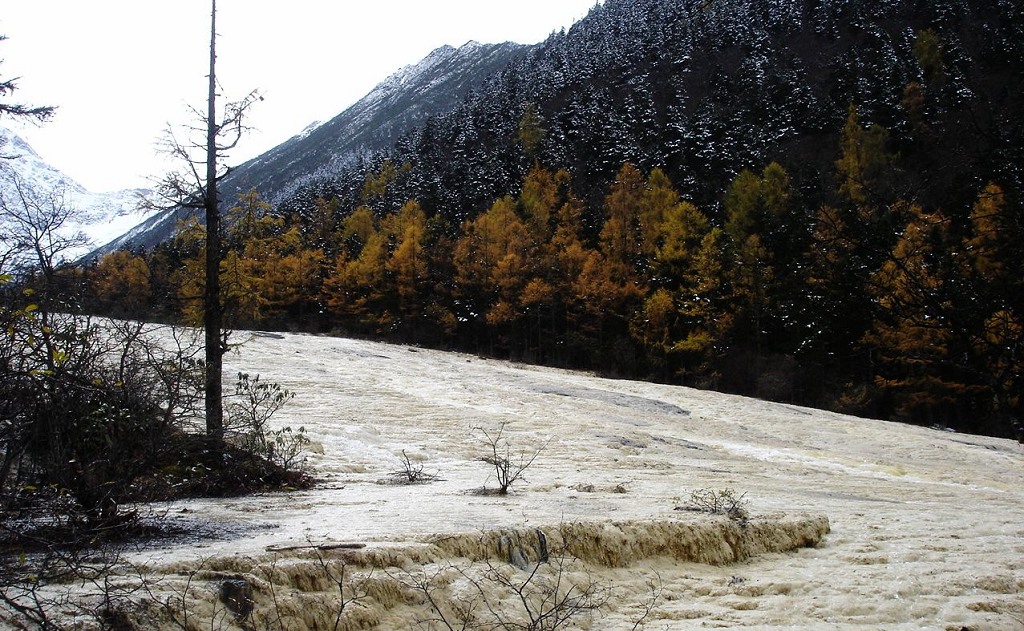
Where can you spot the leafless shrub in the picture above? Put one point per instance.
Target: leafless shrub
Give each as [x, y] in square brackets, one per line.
[348, 589]
[656, 587]
[723, 502]
[508, 468]
[47, 586]
[542, 599]
[411, 473]
[454, 614]
[555, 592]
[174, 607]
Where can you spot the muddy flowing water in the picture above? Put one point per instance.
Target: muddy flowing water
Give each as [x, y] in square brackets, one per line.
[925, 528]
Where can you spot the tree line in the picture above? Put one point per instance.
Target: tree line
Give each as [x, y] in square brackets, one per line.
[867, 302]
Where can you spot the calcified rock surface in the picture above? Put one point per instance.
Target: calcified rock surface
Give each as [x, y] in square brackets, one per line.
[907, 527]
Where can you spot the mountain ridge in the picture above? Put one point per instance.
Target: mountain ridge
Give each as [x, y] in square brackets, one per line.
[373, 123]
[705, 90]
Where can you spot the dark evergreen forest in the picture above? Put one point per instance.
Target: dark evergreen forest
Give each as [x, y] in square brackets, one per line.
[811, 201]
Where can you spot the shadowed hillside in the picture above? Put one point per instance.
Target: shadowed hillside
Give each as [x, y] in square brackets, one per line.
[801, 201]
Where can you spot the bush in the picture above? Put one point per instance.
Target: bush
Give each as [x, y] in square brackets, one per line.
[723, 502]
[87, 406]
[411, 473]
[249, 412]
[95, 415]
[549, 593]
[508, 469]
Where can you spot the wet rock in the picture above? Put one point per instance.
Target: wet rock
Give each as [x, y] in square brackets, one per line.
[521, 554]
[236, 594]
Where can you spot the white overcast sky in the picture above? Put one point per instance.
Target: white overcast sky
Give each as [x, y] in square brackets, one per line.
[121, 70]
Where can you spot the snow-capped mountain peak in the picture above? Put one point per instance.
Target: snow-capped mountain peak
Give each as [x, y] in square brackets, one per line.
[100, 216]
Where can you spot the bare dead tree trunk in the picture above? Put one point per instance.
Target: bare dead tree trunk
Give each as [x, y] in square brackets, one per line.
[213, 317]
[194, 187]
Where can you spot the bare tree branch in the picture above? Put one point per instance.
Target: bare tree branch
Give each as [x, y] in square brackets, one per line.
[34, 113]
[35, 225]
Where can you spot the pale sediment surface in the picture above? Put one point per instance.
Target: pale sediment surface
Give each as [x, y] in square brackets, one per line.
[927, 527]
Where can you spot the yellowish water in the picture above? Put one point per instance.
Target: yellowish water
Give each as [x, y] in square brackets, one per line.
[926, 528]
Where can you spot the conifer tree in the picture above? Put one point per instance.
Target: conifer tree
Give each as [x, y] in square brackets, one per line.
[658, 198]
[543, 193]
[120, 284]
[992, 290]
[490, 265]
[671, 233]
[320, 232]
[407, 265]
[706, 323]
[656, 328]
[915, 334]
[564, 258]
[539, 199]
[291, 279]
[850, 239]
[531, 131]
[356, 230]
[945, 332]
[622, 236]
[760, 224]
[353, 288]
[863, 161]
[188, 278]
[928, 51]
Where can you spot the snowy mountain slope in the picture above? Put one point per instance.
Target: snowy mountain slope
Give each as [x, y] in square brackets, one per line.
[704, 90]
[926, 525]
[396, 105]
[101, 216]
[375, 122]
[701, 90]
